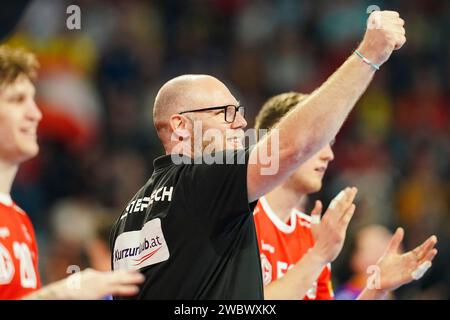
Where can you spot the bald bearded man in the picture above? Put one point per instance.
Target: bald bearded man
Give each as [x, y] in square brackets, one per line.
[190, 229]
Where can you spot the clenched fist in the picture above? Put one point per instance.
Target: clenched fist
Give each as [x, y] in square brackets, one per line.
[385, 33]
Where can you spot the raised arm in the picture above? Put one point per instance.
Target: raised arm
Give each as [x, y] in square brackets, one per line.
[317, 119]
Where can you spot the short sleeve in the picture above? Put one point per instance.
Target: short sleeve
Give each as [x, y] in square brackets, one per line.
[218, 190]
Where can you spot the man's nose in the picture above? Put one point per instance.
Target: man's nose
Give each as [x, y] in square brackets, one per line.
[239, 121]
[34, 113]
[327, 153]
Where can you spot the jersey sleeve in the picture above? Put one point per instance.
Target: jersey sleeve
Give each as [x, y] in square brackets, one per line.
[219, 190]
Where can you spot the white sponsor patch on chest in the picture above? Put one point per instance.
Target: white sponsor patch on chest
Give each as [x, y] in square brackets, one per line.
[141, 248]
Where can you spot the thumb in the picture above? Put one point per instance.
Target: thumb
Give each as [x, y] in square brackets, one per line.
[316, 212]
[396, 240]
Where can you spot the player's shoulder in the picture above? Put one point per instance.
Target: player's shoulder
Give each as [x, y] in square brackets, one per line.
[14, 208]
[19, 210]
[13, 213]
[263, 214]
[23, 216]
[9, 206]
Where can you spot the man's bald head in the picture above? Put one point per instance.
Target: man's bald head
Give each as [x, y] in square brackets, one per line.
[187, 92]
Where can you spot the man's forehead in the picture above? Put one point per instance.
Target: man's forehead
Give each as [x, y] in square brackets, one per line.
[189, 92]
[20, 85]
[208, 94]
[212, 98]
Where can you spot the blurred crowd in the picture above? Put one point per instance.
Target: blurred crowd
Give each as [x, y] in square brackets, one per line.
[97, 85]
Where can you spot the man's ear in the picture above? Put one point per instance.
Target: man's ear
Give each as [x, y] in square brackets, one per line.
[180, 126]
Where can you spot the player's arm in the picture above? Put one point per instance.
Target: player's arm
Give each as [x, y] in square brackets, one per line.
[330, 239]
[317, 119]
[90, 284]
[395, 269]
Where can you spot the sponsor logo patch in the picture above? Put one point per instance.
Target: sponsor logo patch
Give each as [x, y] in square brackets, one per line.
[141, 248]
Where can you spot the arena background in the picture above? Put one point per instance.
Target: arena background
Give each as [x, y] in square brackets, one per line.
[97, 85]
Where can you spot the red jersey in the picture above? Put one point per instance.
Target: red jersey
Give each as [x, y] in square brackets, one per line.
[282, 245]
[18, 252]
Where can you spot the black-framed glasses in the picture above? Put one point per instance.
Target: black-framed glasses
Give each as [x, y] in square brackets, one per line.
[229, 111]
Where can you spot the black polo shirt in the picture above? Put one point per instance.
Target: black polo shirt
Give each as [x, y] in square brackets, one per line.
[190, 231]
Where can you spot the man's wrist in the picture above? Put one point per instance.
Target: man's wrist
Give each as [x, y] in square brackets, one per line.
[371, 54]
[367, 61]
